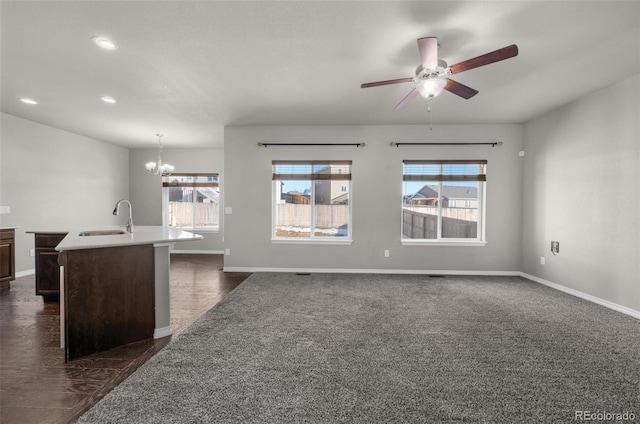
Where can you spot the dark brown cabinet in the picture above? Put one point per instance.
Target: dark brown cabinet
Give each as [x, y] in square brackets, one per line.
[47, 268]
[7, 257]
[109, 298]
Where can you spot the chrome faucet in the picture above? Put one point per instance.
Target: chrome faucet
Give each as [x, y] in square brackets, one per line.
[130, 221]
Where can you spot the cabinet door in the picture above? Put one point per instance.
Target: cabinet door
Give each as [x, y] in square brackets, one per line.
[6, 259]
[48, 272]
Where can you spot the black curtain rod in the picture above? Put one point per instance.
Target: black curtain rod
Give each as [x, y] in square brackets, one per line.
[260, 144]
[492, 144]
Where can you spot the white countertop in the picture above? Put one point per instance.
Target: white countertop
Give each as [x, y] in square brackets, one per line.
[141, 235]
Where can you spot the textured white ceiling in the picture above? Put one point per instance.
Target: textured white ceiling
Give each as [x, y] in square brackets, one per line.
[187, 69]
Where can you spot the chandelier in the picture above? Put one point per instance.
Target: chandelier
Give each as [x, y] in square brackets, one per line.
[159, 168]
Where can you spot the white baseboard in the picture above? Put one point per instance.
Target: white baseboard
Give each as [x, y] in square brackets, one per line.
[25, 273]
[197, 252]
[607, 304]
[368, 271]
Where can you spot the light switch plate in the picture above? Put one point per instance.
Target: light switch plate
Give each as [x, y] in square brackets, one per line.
[5, 210]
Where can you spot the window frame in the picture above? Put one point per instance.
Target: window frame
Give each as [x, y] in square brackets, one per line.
[441, 178]
[312, 178]
[166, 185]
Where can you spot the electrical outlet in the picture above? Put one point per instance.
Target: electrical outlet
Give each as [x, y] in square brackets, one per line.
[386, 253]
[542, 260]
[32, 252]
[555, 247]
[227, 252]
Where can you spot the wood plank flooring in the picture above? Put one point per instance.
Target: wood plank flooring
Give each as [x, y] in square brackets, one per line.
[36, 386]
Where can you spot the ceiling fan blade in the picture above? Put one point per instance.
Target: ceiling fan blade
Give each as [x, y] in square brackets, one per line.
[428, 47]
[387, 82]
[485, 59]
[412, 94]
[460, 89]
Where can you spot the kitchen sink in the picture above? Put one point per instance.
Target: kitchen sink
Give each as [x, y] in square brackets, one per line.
[101, 233]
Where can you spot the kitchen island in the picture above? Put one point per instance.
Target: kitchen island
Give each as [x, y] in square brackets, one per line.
[114, 286]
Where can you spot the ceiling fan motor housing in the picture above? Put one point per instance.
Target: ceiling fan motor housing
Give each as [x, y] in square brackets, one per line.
[439, 71]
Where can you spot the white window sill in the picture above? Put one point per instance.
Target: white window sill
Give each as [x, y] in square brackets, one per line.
[339, 241]
[441, 242]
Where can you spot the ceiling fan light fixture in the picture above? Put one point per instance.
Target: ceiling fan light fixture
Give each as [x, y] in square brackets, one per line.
[431, 87]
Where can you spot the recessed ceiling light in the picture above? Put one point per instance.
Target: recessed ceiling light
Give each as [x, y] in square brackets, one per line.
[28, 101]
[108, 99]
[104, 43]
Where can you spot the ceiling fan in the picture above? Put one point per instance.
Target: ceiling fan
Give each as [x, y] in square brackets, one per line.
[431, 74]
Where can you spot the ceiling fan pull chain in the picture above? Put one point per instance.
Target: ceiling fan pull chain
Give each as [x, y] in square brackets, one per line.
[429, 112]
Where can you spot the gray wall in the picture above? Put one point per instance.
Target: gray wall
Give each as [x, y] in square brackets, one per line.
[376, 197]
[146, 189]
[578, 184]
[581, 188]
[53, 179]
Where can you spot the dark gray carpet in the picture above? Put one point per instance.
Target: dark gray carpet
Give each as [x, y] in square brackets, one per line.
[329, 348]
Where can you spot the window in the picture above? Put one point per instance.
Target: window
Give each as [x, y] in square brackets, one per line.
[191, 201]
[311, 201]
[443, 201]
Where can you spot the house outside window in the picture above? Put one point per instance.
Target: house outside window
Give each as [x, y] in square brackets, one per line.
[191, 201]
[311, 201]
[443, 201]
